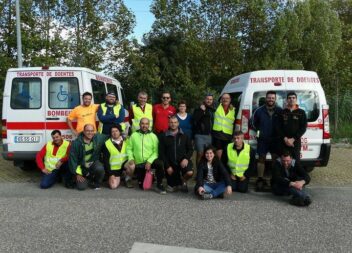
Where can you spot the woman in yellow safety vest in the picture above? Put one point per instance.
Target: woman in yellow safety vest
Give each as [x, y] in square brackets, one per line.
[114, 156]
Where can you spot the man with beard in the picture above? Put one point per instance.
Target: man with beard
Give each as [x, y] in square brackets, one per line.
[203, 118]
[264, 119]
[110, 113]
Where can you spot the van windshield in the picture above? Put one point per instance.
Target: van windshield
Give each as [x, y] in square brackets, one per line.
[306, 99]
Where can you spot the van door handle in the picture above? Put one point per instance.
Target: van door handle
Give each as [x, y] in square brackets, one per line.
[52, 118]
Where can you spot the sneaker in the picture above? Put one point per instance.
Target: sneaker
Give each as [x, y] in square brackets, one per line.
[170, 188]
[221, 196]
[160, 188]
[129, 184]
[297, 201]
[206, 196]
[307, 201]
[184, 188]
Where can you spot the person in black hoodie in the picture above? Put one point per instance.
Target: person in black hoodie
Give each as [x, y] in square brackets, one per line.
[203, 119]
[212, 177]
[289, 178]
[175, 150]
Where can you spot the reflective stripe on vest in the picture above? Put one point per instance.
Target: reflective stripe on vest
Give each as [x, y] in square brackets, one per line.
[238, 164]
[222, 122]
[138, 114]
[116, 110]
[117, 158]
[50, 160]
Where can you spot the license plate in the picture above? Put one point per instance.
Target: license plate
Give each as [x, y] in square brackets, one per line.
[27, 139]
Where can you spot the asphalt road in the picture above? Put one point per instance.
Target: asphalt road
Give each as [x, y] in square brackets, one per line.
[58, 219]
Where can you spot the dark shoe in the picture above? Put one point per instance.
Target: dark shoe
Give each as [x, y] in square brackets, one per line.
[206, 196]
[297, 202]
[171, 188]
[260, 185]
[221, 196]
[161, 189]
[307, 201]
[129, 184]
[184, 188]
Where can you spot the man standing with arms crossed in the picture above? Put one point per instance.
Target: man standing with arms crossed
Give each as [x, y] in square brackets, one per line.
[110, 113]
[85, 114]
[203, 118]
[264, 119]
[292, 125]
[141, 110]
[224, 121]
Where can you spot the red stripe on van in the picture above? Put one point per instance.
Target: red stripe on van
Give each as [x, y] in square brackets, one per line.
[316, 125]
[38, 125]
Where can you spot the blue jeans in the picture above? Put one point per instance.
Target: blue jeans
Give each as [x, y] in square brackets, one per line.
[288, 190]
[215, 189]
[48, 180]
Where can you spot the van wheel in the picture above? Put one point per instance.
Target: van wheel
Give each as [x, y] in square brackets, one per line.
[308, 169]
[28, 165]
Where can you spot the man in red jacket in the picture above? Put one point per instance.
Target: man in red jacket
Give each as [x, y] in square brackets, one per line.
[52, 161]
[162, 112]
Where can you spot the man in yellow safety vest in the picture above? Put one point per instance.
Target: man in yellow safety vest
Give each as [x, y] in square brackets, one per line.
[224, 121]
[240, 161]
[110, 113]
[52, 161]
[141, 110]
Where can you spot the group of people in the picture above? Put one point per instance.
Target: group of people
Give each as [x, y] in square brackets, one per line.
[162, 140]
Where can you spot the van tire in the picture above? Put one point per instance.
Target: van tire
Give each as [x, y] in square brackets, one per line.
[308, 169]
[28, 166]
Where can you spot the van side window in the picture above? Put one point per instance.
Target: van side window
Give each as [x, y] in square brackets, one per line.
[26, 93]
[63, 92]
[306, 99]
[99, 91]
[112, 88]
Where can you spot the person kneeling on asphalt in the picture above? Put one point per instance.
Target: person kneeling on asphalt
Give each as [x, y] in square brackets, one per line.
[240, 161]
[84, 158]
[212, 177]
[114, 156]
[55, 156]
[142, 150]
[289, 178]
[176, 150]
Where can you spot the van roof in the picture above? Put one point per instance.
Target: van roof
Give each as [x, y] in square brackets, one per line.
[58, 68]
[271, 76]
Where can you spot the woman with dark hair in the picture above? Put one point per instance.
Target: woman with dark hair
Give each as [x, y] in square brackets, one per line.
[184, 119]
[212, 177]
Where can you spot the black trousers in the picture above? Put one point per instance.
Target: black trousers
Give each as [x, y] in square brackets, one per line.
[175, 178]
[157, 165]
[240, 186]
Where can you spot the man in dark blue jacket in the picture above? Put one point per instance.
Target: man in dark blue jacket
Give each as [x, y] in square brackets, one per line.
[264, 120]
[289, 178]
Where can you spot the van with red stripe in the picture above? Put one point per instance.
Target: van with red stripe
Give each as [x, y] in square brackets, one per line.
[248, 93]
[37, 100]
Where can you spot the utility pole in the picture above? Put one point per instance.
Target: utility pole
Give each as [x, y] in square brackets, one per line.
[19, 41]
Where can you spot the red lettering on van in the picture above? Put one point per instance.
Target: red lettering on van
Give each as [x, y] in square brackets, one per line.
[103, 79]
[58, 113]
[307, 80]
[65, 73]
[30, 73]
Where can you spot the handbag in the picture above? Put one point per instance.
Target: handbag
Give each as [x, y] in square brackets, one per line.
[148, 180]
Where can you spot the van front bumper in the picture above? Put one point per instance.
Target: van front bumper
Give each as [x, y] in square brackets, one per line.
[17, 155]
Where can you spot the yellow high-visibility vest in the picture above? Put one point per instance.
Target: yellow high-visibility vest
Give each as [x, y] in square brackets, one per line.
[117, 158]
[116, 109]
[138, 114]
[238, 164]
[50, 160]
[222, 122]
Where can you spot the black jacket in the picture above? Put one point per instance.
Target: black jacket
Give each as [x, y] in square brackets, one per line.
[219, 171]
[203, 120]
[173, 149]
[283, 177]
[292, 124]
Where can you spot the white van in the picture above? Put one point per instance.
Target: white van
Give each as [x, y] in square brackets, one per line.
[37, 100]
[248, 93]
